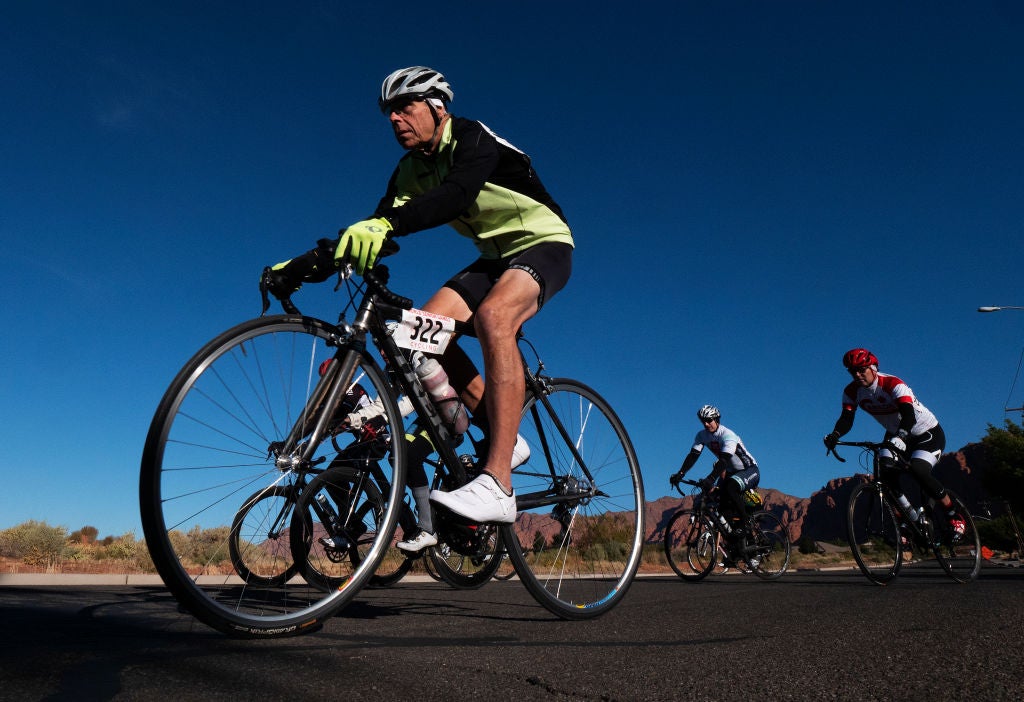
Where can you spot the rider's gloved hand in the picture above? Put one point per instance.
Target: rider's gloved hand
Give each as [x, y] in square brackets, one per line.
[279, 280]
[360, 243]
[831, 440]
[898, 442]
[674, 479]
[314, 266]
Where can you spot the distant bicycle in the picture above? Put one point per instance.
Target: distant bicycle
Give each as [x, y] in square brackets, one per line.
[880, 532]
[695, 546]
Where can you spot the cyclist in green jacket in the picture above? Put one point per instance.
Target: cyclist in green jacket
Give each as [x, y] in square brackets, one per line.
[458, 172]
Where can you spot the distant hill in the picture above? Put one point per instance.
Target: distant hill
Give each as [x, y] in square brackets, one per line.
[822, 516]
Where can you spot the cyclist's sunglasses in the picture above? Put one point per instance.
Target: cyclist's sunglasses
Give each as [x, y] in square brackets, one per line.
[855, 371]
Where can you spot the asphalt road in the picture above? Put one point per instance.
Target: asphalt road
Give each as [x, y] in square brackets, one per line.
[809, 636]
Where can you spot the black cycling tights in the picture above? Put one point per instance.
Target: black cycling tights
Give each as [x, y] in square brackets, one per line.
[735, 494]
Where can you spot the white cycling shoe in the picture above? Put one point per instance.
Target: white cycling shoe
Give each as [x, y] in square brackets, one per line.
[422, 540]
[480, 500]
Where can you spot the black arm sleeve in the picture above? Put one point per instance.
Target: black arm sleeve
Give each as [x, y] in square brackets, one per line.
[845, 422]
[907, 418]
[688, 462]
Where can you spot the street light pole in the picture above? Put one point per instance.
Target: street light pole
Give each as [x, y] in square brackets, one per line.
[996, 309]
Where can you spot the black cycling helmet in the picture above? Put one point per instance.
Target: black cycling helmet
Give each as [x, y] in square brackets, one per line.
[417, 82]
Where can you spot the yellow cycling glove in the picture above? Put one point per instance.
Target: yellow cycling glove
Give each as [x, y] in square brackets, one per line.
[360, 243]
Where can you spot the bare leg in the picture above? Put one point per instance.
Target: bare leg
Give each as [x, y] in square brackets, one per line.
[462, 373]
[511, 302]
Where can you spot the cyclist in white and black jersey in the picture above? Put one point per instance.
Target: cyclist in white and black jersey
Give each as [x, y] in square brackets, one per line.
[735, 470]
[910, 427]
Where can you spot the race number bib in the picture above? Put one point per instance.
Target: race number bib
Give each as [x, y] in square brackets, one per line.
[424, 331]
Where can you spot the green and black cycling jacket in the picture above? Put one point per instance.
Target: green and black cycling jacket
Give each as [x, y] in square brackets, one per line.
[481, 185]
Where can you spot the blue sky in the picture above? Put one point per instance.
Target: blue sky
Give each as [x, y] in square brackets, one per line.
[755, 187]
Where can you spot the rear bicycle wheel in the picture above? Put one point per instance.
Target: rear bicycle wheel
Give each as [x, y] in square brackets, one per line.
[259, 538]
[958, 554]
[768, 549]
[582, 533]
[691, 545]
[874, 534]
[215, 438]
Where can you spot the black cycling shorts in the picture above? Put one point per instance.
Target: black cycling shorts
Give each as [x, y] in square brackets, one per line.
[550, 265]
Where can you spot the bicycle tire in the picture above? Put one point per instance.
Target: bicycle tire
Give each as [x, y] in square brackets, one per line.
[691, 545]
[428, 566]
[959, 555]
[259, 544]
[505, 568]
[209, 444]
[872, 529]
[769, 551]
[396, 564]
[581, 554]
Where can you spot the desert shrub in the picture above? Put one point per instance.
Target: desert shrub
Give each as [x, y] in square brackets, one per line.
[807, 545]
[122, 548]
[143, 561]
[35, 543]
[85, 535]
[208, 547]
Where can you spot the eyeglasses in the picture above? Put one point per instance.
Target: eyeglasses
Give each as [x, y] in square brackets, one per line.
[709, 421]
[855, 371]
[403, 106]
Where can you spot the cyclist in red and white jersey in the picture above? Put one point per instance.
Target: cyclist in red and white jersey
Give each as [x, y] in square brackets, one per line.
[910, 427]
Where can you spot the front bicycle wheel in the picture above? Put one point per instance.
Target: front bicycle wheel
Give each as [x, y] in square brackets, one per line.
[259, 538]
[874, 534]
[691, 545]
[217, 437]
[958, 554]
[580, 498]
[767, 549]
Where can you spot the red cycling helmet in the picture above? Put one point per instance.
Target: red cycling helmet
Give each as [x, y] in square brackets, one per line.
[859, 358]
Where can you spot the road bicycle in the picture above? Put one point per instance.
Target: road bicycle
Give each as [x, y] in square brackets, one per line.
[251, 413]
[695, 545]
[881, 531]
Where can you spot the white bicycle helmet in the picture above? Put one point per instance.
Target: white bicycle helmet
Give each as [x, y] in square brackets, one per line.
[415, 82]
[708, 412]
